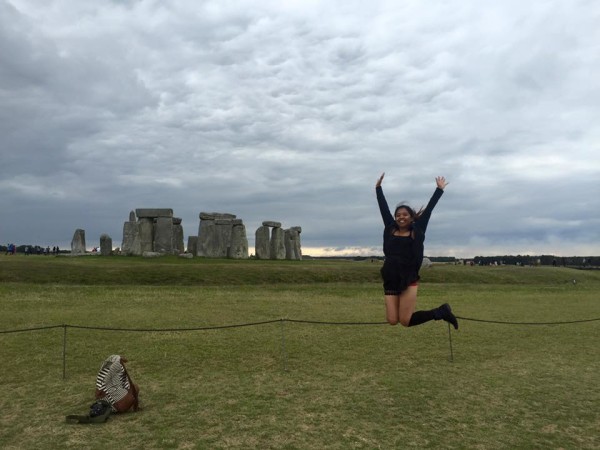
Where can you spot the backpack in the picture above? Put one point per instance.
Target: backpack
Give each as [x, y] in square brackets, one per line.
[99, 412]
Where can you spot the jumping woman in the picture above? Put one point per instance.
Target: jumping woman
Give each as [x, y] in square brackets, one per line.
[403, 238]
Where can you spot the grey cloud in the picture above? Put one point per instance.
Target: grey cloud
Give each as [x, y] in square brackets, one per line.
[291, 113]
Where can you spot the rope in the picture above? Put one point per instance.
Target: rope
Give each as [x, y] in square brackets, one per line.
[249, 324]
[219, 327]
[20, 330]
[527, 323]
[316, 322]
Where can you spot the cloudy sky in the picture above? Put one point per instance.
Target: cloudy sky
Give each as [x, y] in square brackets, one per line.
[290, 110]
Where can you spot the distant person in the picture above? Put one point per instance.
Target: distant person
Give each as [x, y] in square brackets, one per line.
[403, 238]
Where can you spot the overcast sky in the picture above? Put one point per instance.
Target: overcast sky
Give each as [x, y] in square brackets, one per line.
[290, 110]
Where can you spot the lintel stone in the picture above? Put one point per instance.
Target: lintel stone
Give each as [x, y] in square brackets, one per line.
[153, 212]
[271, 223]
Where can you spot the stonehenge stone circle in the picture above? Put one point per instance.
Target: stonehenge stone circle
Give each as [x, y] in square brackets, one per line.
[154, 231]
[78, 242]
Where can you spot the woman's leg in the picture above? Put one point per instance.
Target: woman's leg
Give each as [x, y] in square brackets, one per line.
[392, 303]
[408, 302]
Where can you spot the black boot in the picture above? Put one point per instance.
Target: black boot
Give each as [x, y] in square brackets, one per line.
[444, 312]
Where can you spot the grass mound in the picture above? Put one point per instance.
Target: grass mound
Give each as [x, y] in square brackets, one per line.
[297, 385]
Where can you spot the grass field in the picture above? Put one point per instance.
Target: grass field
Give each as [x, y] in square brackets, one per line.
[298, 385]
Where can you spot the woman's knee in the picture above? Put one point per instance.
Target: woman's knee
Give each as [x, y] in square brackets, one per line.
[405, 321]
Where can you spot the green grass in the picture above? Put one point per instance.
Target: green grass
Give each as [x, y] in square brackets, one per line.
[292, 385]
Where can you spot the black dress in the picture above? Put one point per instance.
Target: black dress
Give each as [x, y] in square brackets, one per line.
[403, 254]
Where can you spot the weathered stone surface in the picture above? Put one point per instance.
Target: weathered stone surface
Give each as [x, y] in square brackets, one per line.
[192, 245]
[130, 232]
[261, 243]
[178, 239]
[186, 255]
[151, 254]
[177, 220]
[277, 244]
[206, 231]
[298, 229]
[426, 263]
[222, 238]
[147, 213]
[105, 245]
[163, 235]
[78, 242]
[132, 216]
[216, 215]
[146, 235]
[270, 223]
[292, 244]
[238, 248]
[214, 235]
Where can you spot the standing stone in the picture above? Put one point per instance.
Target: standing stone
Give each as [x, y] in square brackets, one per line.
[131, 216]
[78, 242]
[261, 243]
[206, 232]
[177, 236]
[136, 244]
[146, 235]
[130, 230]
[292, 244]
[277, 244]
[192, 246]
[105, 245]
[238, 248]
[222, 240]
[163, 235]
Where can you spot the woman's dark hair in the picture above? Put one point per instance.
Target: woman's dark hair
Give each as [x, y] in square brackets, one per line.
[413, 214]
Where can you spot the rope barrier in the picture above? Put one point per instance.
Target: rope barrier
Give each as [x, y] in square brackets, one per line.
[281, 321]
[218, 327]
[265, 322]
[21, 330]
[527, 323]
[316, 322]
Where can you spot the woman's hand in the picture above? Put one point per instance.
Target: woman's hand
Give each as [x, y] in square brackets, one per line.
[441, 182]
[380, 180]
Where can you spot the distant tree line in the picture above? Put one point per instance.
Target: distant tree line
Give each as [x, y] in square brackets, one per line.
[542, 260]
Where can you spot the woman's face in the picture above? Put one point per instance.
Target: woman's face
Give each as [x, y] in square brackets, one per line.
[403, 218]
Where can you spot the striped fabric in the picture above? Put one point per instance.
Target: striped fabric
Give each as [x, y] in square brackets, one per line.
[111, 380]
